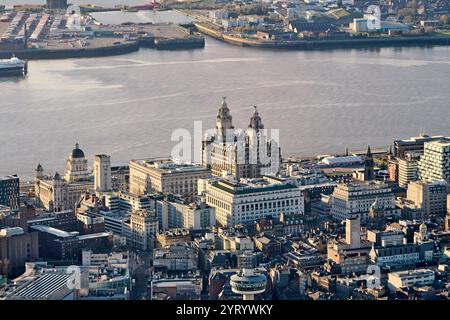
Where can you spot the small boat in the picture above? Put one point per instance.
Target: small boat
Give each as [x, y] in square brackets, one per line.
[13, 67]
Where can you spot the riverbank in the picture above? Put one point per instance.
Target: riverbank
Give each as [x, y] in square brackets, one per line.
[325, 44]
[192, 42]
[46, 53]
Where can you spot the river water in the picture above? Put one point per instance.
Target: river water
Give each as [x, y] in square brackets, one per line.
[128, 106]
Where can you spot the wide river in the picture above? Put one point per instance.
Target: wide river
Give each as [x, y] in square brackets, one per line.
[128, 106]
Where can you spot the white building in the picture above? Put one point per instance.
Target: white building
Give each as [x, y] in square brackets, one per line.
[231, 241]
[408, 168]
[359, 25]
[165, 176]
[344, 161]
[102, 172]
[174, 212]
[434, 164]
[55, 193]
[243, 154]
[77, 166]
[356, 198]
[250, 200]
[89, 258]
[218, 14]
[397, 280]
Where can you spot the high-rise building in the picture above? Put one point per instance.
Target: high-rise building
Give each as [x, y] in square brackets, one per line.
[408, 168]
[102, 173]
[414, 144]
[353, 232]
[55, 193]
[165, 176]
[430, 196]
[9, 191]
[434, 164]
[243, 154]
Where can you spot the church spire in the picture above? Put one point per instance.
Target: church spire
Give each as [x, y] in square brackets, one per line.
[369, 165]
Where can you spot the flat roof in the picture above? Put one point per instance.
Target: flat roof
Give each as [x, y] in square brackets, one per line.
[340, 160]
[56, 232]
[9, 177]
[94, 235]
[41, 219]
[422, 138]
[44, 286]
[167, 165]
[441, 143]
[414, 272]
[239, 188]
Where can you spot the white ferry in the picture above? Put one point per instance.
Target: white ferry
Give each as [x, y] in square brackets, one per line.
[13, 66]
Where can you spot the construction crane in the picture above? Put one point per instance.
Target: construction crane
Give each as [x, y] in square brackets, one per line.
[153, 4]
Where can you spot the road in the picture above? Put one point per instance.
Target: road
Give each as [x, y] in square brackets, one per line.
[140, 264]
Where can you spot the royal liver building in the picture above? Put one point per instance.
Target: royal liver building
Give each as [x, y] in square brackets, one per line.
[249, 153]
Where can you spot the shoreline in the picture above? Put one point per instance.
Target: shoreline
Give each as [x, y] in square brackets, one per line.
[325, 44]
[195, 42]
[37, 54]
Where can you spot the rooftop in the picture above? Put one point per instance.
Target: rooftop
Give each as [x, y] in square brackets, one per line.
[9, 232]
[9, 177]
[420, 138]
[165, 165]
[54, 231]
[251, 186]
[415, 273]
[94, 235]
[339, 160]
[440, 143]
[44, 286]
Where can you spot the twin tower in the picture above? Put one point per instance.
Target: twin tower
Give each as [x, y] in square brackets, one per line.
[246, 153]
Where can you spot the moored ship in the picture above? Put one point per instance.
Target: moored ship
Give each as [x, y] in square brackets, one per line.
[13, 67]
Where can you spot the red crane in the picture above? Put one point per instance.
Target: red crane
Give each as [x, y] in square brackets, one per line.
[153, 4]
